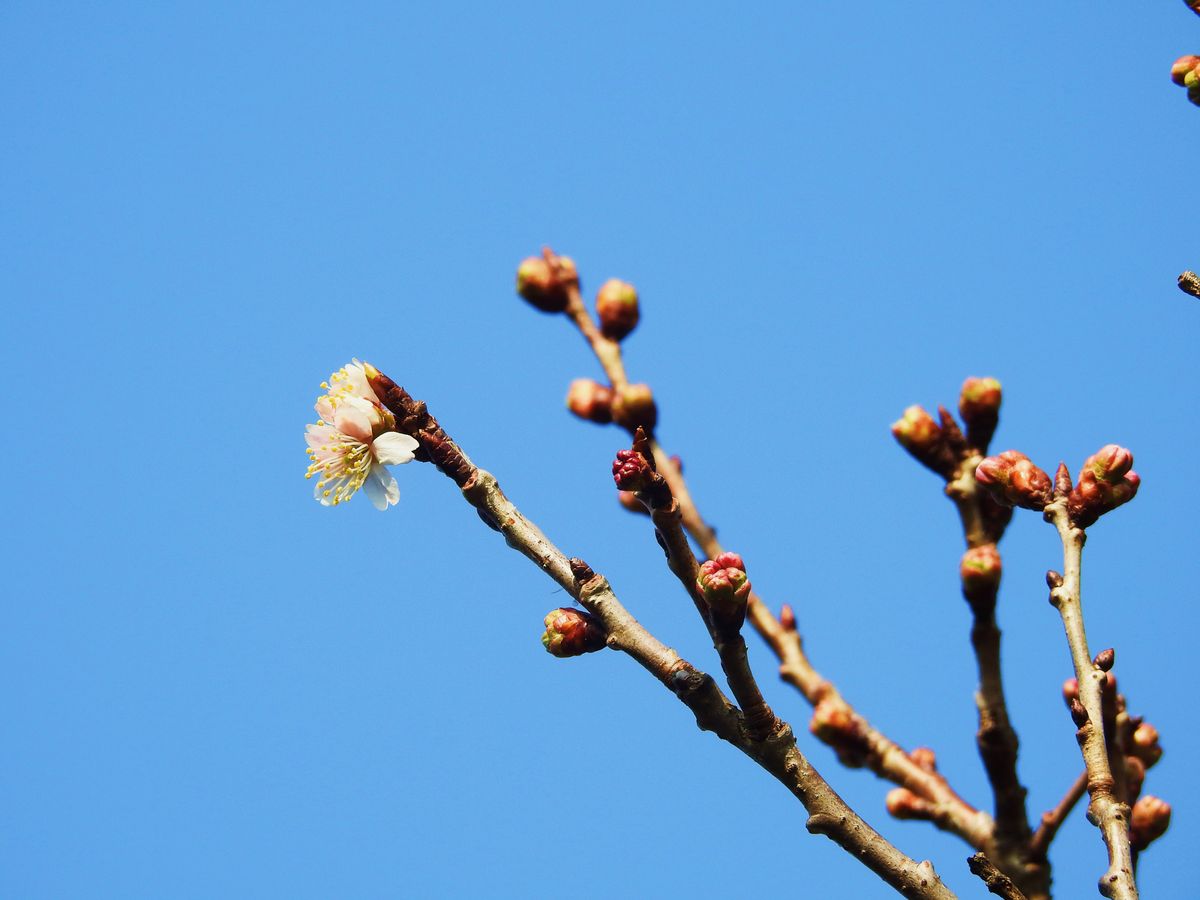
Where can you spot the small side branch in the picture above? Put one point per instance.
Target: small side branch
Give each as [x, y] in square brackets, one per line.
[997, 882]
[1105, 809]
[1053, 820]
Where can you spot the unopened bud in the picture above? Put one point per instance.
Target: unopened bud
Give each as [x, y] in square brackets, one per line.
[1012, 478]
[904, 804]
[1078, 714]
[632, 471]
[1105, 483]
[1148, 821]
[1144, 744]
[980, 571]
[925, 758]
[1193, 91]
[617, 307]
[546, 281]
[922, 437]
[634, 406]
[590, 400]
[723, 584]
[1104, 659]
[1053, 579]
[834, 724]
[1070, 690]
[1182, 66]
[979, 406]
[787, 617]
[572, 632]
[1062, 480]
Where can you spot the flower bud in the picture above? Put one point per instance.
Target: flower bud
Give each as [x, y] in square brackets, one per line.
[590, 400]
[980, 572]
[632, 471]
[1012, 478]
[1105, 483]
[904, 804]
[1070, 690]
[834, 724]
[1144, 744]
[1079, 714]
[546, 281]
[979, 406]
[723, 583]
[1182, 66]
[1148, 821]
[1104, 659]
[787, 617]
[634, 406]
[617, 307]
[922, 437]
[572, 632]
[925, 758]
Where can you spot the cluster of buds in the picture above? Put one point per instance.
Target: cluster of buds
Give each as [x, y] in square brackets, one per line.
[1144, 744]
[632, 471]
[723, 584]
[547, 281]
[1148, 821]
[1107, 481]
[633, 406]
[572, 632]
[617, 309]
[980, 572]
[590, 400]
[925, 440]
[979, 407]
[1185, 72]
[1013, 479]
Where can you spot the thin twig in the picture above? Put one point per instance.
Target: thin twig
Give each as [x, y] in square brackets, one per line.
[997, 882]
[1053, 820]
[1105, 809]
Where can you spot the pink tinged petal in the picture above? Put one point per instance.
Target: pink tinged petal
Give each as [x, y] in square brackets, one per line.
[352, 421]
[393, 448]
[317, 436]
[324, 408]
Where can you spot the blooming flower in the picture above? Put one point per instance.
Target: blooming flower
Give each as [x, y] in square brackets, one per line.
[354, 441]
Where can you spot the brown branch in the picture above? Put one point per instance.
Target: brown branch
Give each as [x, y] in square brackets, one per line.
[996, 881]
[1053, 820]
[1105, 810]
[777, 753]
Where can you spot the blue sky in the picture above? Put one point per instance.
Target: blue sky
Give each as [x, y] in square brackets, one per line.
[215, 687]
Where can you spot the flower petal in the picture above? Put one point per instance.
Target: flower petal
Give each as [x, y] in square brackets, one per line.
[393, 448]
[352, 420]
[387, 481]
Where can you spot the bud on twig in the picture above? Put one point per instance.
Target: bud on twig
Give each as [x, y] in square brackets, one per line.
[980, 571]
[1135, 776]
[1148, 821]
[633, 407]
[834, 724]
[1070, 690]
[546, 281]
[904, 804]
[1012, 478]
[630, 501]
[923, 439]
[979, 406]
[572, 632]
[787, 617]
[1144, 744]
[590, 400]
[632, 471]
[1189, 283]
[723, 584]
[1182, 67]
[925, 758]
[1105, 483]
[1104, 659]
[617, 309]
[1078, 714]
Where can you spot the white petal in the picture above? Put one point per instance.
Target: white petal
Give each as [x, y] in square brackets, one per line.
[393, 448]
[317, 494]
[387, 483]
[376, 492]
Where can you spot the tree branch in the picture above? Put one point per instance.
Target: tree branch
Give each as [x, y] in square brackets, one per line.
[1105, 810]
[1053, 820]
[778, 753]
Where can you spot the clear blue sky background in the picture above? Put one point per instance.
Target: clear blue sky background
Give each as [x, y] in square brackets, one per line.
[215, 687]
